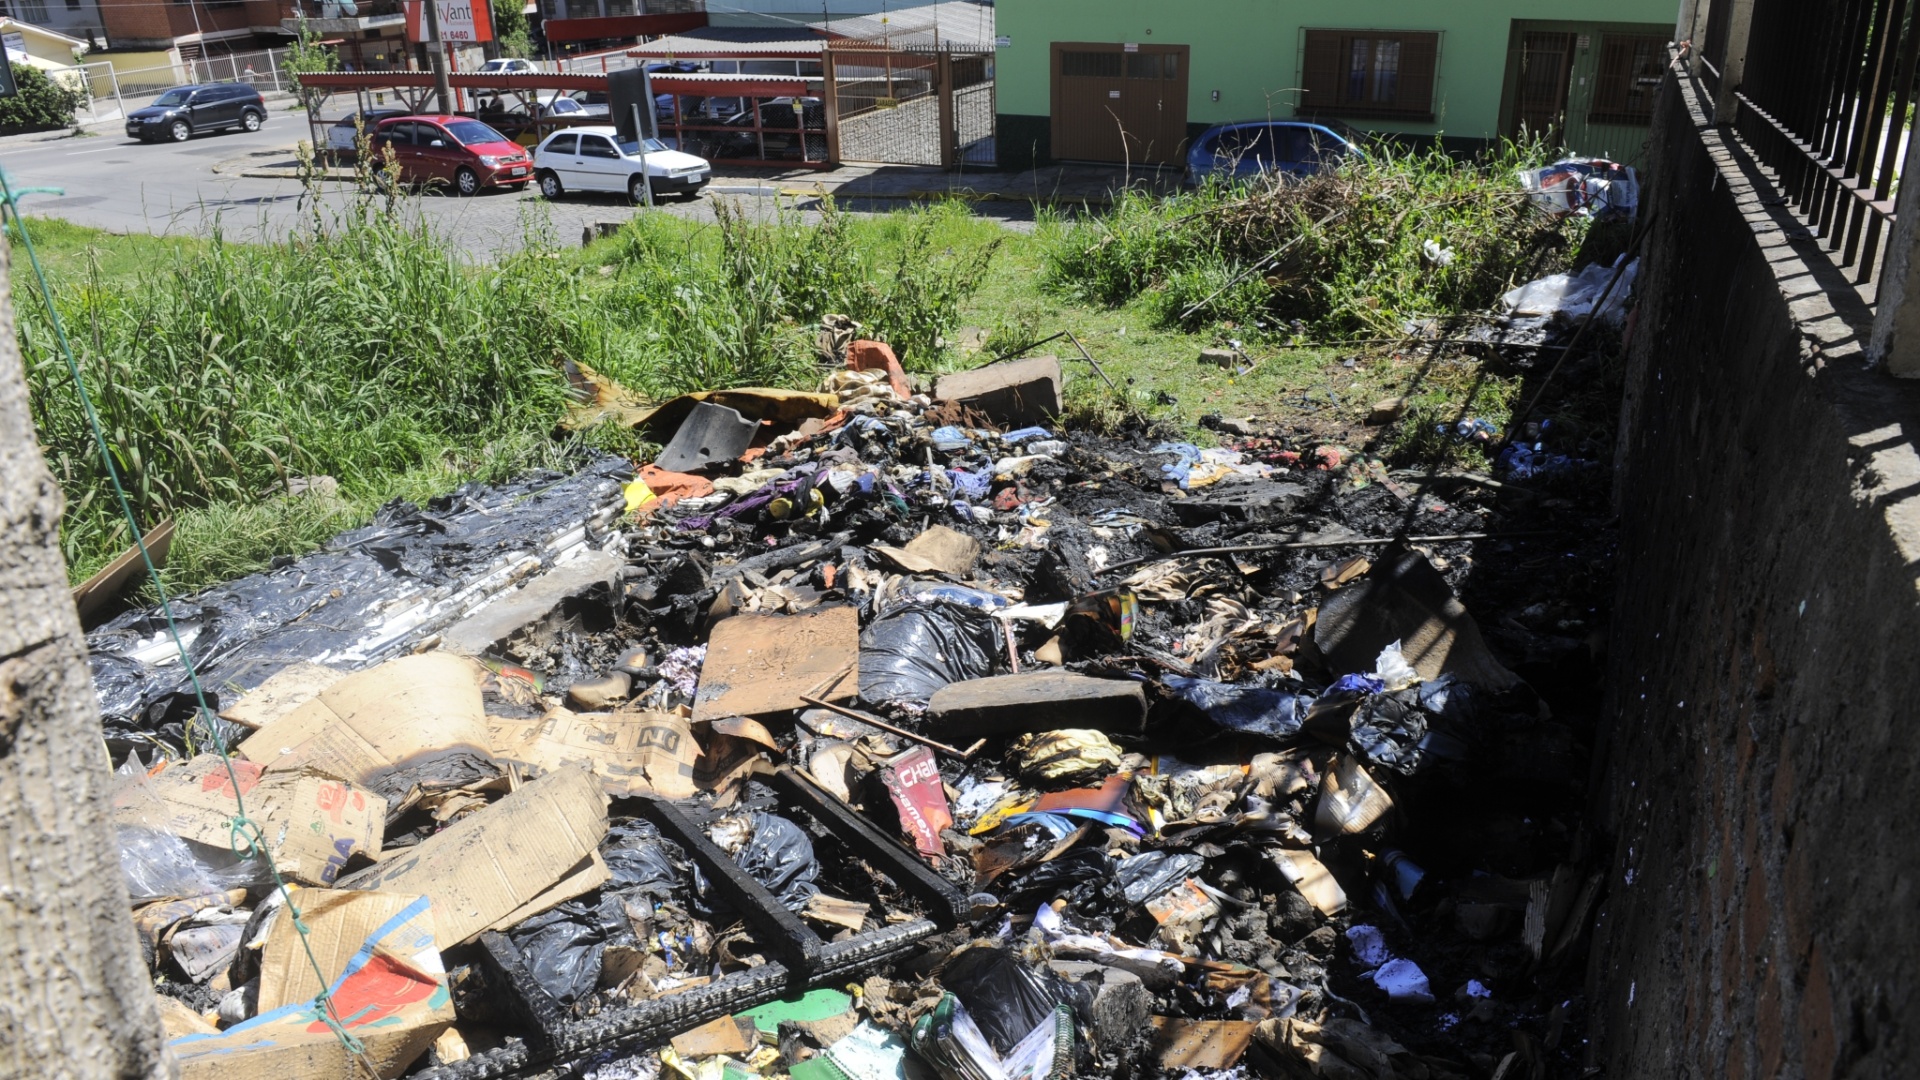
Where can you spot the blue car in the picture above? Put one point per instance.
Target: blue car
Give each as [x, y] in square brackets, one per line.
[1252, 147]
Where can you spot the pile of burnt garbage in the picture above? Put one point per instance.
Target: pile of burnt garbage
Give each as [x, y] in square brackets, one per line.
[886, 734]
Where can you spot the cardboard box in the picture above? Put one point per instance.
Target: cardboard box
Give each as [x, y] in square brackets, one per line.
[494, 861]
[310, 822]
[630, 753]
[383, 971]
[418, 719]
[758, 664]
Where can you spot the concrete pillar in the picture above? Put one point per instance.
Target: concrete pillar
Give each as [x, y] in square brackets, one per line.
[1735, 68]
[1895, 340]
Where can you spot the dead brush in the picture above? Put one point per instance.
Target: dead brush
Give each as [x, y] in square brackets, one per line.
[1341, 254]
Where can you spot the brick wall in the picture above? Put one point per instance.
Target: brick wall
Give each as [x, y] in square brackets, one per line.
[1765, 756]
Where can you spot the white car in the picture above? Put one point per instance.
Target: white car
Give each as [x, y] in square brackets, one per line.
[593, 159]
[508, 66]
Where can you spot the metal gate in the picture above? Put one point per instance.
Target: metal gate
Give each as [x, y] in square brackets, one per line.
[907, 106]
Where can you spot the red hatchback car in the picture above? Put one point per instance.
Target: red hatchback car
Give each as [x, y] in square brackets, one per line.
[457, 151]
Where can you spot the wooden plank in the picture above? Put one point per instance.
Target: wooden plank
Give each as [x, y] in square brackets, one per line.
[93, 594]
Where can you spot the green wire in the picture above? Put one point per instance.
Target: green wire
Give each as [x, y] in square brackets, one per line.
[245, 836]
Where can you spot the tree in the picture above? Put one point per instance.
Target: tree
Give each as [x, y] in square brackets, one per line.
[305, 55]
[40, 105]
[75, 1000]
[510, 28]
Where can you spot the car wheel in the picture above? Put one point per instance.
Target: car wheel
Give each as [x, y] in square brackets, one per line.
[466, 181]
[550, 186]
[181, 131]
[251, 120]
[637, 189]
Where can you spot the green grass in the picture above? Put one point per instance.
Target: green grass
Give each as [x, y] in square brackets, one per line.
[365, 350]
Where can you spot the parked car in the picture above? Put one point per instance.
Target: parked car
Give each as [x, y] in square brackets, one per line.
[782, 126]
[462, 153]
[594, 159]
[185, 111]
[507, 65]
[1259, 146]
[341, 136]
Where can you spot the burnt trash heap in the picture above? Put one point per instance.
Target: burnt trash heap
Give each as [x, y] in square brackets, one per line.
[883, 734]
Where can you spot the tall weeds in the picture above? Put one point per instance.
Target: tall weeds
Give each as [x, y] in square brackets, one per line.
[1338, 254]
[364, 349]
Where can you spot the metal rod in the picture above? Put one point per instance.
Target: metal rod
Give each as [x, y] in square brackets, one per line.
[869, 718]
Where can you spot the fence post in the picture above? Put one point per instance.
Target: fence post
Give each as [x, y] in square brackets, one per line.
[830, 103]
[1895, 338]
[117, 99]
[1739, 24]
[943, 86]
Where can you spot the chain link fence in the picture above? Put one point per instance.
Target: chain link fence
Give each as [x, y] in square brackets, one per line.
[111, 93]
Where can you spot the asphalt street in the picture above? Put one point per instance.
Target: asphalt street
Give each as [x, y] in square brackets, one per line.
[194, 188]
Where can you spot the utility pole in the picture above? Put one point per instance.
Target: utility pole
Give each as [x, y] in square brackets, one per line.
[437, 53]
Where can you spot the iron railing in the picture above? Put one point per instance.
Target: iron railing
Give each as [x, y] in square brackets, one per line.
[1824, 103]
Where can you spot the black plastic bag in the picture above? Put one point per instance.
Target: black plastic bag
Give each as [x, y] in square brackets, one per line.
[1388, 730]
[642, 861]
[779, 856]
[1147, 875]
[563, 947]
[919, 647]
[1251, 710]
[1081, 876]
[1008, 998]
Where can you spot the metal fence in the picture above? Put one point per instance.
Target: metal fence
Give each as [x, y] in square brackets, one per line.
[111, 93]
[910, 106]
[1823, 101]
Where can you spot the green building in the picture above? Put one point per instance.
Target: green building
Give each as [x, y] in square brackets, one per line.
[1132, 80]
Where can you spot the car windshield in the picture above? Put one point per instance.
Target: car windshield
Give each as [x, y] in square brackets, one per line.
[473, 133]
[632, 149]
[172, 97]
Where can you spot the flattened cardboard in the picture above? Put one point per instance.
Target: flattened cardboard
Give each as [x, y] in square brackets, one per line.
[392, 719]
[284, 691]
[495, 860]
[758, 664]
[588, 876]
[1181, 1044]
[383, 974]
[939, 550]
[312, 824]
[629, 753]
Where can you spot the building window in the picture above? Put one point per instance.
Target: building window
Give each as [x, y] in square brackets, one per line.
[1368, 73]
[1631, 67]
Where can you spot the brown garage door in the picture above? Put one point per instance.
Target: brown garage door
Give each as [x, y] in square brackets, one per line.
[1113, 102]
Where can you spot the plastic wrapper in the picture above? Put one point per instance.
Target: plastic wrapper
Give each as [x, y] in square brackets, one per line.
[1146, 875]
[160, 866]
[1251, 710]
[385, 587]
[1572, 296]
[1604, 190]
[919, 647]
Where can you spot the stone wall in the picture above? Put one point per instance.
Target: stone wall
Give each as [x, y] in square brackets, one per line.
[1765, 754]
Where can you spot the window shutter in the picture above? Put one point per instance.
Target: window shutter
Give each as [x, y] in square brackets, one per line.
[1320, 70]
[1419, 59]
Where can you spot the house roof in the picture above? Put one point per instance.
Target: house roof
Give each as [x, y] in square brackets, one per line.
[958, 22]
[729, 42]
[12, 24]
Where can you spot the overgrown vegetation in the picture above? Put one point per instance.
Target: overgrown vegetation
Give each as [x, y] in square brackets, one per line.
[365, 350]
[41, 104]
[740, 303]
[1348, 253]
[306, 55]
